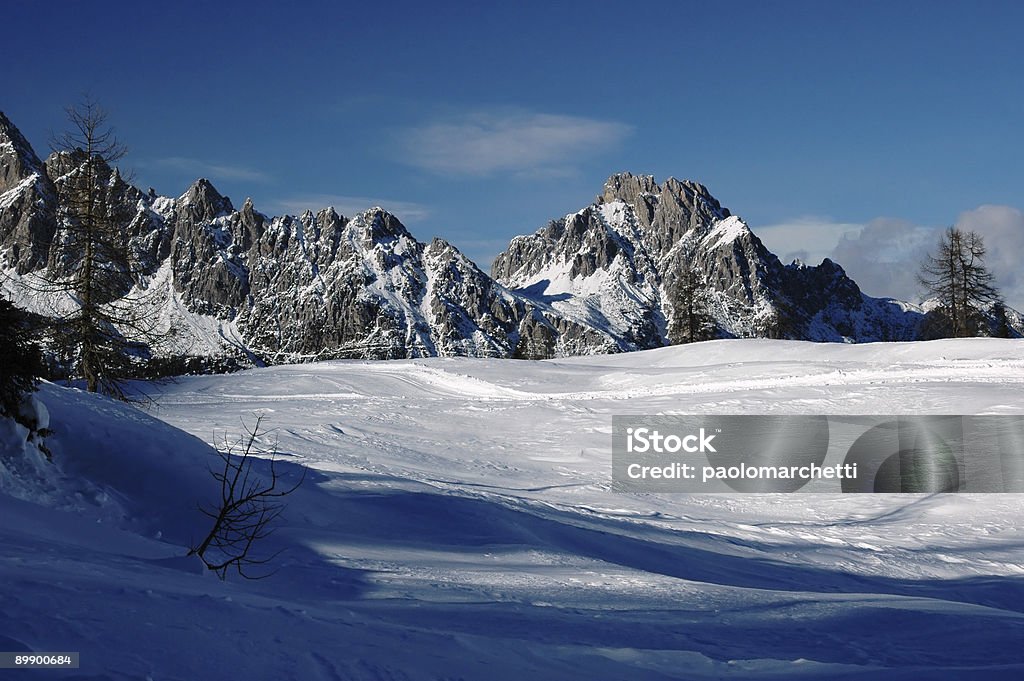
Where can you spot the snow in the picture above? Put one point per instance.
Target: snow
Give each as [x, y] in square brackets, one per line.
[35, 293]
[164, 206]
[14, 193]
[34, 411]
[457, 522]
[615, 212]
[725, 231]
[178, 330]
[612, 301]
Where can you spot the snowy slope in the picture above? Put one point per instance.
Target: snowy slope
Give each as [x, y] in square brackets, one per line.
[457, 522]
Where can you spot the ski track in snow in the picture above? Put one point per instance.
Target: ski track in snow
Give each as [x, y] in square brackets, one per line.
[457, 522]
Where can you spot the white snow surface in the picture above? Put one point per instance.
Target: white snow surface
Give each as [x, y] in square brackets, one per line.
[12, 194]
[726, 231]
[456, 521]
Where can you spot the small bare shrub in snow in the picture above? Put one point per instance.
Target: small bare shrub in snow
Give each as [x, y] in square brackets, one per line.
[247, 507]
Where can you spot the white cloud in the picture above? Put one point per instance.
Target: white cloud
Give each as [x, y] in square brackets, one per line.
[214, 171]
[1002, 228]
[884, 255]
[523, 143]
[808, 238]
[406, 211]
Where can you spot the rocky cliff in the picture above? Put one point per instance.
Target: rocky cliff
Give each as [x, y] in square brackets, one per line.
[28, 202]
[617, 264]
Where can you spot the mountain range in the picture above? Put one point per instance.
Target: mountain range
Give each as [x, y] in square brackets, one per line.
[233, 287]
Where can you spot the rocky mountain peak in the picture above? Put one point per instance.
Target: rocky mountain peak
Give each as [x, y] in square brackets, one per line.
[694, 196]
[441, 253]
[379, 226]
[60, 163]
[664, 212]
[329, 216]
[202, 201]
[28, 202]
[18, 161]
[610, 277]
[618, 265]
[439, 246]
[627, 187]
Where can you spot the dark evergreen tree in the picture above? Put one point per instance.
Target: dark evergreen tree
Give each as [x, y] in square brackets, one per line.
[21, 363]
[1000, 323]
[691, 318]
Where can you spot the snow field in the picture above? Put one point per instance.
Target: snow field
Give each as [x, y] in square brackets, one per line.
[457, 521]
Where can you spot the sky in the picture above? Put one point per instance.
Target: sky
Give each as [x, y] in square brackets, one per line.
[851, 130]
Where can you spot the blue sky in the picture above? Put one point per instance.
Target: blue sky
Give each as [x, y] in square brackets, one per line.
[851, 129]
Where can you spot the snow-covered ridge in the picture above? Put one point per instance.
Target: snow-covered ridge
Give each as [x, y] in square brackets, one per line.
[605, 278]
[14, 193]
[725, 232]
[615, 268]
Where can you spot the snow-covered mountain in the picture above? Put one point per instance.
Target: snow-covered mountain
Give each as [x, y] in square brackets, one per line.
[234, 286]
[238, 285]
[617, 263]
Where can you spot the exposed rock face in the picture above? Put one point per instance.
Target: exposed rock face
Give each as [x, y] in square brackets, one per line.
[207, 259]
[237, 283]
[28, 202]
[468, 311]
[615, 266]
[280, 289]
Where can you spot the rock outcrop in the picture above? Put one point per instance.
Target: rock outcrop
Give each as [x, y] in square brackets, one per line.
[616, 265]
[28, 202]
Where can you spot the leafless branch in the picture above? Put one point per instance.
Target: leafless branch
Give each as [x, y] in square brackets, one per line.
[246, 508]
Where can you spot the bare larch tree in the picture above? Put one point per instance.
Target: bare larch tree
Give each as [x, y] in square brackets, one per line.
[100, 334]
[957, 277]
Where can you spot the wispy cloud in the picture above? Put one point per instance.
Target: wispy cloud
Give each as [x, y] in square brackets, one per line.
[407, 211]
[809, 238]
[517, 142]
[884, 255]
[215, 171]
[1002, 227]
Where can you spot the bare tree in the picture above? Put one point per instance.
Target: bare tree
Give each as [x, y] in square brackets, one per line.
[957, 277]
[98, 335]
[246, 508]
